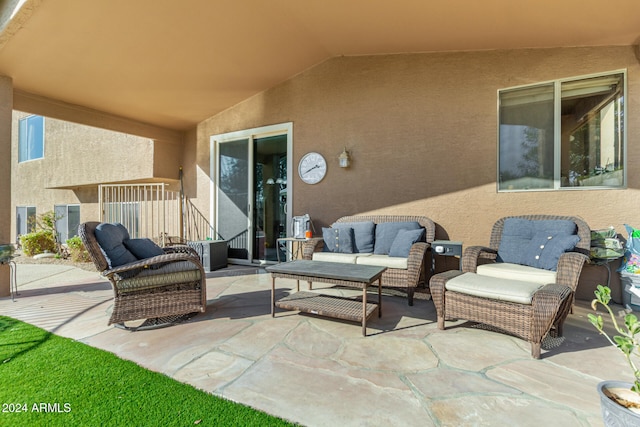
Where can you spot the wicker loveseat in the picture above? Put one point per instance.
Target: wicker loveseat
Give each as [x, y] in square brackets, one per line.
[519, 299]
[161, 289]
[403, 273]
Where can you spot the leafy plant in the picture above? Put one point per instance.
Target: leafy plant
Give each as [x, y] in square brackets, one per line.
[77, 250]
[38, 242]
[626, 342]
[44, 239]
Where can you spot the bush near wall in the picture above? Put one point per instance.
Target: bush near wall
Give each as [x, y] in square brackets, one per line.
[38, 242]
[77, 251]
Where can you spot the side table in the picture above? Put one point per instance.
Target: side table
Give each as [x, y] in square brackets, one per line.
[295, 251]
[445, 248]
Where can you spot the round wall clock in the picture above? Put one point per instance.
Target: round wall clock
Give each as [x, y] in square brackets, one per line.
[312, 168]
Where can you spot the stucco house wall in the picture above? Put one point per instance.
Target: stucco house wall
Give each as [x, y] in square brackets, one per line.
[422, 131]
[76, 159]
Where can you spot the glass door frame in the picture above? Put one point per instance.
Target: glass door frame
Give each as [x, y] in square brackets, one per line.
[251, 135]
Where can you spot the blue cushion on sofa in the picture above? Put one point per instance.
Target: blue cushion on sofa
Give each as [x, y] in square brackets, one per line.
[338, 240]
[111, 239]
[386, 233]
[517, 234]
[143, 248]
[363, 234]
[545, 249]
[401, 246]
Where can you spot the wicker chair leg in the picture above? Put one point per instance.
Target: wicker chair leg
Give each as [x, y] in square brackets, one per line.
[441, 323]
[410, 292]
[535, 350]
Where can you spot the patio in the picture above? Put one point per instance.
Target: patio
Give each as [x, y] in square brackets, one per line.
[318, 372]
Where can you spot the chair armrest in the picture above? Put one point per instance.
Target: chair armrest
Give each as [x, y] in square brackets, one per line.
[309, 246]
[569, 268]
[415, 261]
[548, 305]
[148, 262]
[472, 255]
[184, 249]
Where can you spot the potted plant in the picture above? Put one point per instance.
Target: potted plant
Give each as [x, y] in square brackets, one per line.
[620, 401]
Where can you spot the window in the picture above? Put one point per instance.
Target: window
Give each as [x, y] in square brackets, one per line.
[25, 220]
[31, 138]
[563, 134]
[67, 221]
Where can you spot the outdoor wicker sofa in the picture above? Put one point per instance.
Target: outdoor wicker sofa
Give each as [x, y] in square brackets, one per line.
[403, 275]
[163, 289]
[550, 299]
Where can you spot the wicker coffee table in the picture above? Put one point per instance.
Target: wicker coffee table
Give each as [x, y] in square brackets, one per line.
[349, 275]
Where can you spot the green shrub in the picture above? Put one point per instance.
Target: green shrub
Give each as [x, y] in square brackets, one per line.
[77, 251]
[38, 242]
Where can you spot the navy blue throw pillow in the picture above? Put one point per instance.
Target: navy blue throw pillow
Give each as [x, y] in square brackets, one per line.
[143, 248]
[111, 239]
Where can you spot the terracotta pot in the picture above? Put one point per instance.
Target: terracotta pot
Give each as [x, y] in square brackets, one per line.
[614, 414]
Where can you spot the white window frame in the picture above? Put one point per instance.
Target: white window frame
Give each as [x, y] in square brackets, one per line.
[24, 222]
[63, 231]
[22, 139]
[557, 133]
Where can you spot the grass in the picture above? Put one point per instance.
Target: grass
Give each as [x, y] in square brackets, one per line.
[49, 380]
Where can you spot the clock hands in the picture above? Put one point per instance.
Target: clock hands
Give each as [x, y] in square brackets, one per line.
[309, 170]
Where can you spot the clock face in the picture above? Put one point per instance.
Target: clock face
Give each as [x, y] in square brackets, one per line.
[312, 168]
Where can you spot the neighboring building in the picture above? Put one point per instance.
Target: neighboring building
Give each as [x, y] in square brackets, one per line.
[57, 166]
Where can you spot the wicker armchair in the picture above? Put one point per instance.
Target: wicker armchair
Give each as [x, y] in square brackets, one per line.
[163, 289]
[549, 306]
[403, 280]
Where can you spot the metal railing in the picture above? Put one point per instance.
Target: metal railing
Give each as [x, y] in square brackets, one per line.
[152, 211]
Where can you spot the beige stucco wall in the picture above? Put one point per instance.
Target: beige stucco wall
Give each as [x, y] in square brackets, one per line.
[422, 131]
[6, 103]
[78, 158]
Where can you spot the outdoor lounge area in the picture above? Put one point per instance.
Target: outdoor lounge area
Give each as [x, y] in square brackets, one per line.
[311, 203]
[317, 371]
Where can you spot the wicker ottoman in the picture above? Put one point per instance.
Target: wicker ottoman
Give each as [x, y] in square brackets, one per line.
[549, 306]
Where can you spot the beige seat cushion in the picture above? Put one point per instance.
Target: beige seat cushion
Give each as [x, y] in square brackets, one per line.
[335, 257]
[516, 291]
[383, 261]
[505, 270]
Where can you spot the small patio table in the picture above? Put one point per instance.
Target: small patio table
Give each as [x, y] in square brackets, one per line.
[349, 275]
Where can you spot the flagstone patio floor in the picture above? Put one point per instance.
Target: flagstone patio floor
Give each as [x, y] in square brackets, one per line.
[322, 372]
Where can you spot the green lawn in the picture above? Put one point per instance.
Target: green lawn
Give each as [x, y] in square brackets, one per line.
[49, 380]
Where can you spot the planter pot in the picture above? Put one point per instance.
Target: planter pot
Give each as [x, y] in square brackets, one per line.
[6, 253]
[614, 414]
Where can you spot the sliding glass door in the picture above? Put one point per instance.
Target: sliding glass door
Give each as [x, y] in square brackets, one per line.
[234, 205]
[250, 191]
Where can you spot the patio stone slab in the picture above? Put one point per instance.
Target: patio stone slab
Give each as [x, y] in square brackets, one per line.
[326, 393]
[445, 382]
[456, 346]
[491, 410]
[392, 354]
[150, 348]
[313, 342]
[212, 370]
[548, 381]
[259, 338]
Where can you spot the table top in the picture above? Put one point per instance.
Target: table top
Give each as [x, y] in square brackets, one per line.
[329, 270]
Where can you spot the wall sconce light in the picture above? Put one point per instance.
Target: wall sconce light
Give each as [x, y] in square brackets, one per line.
[344, 159]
